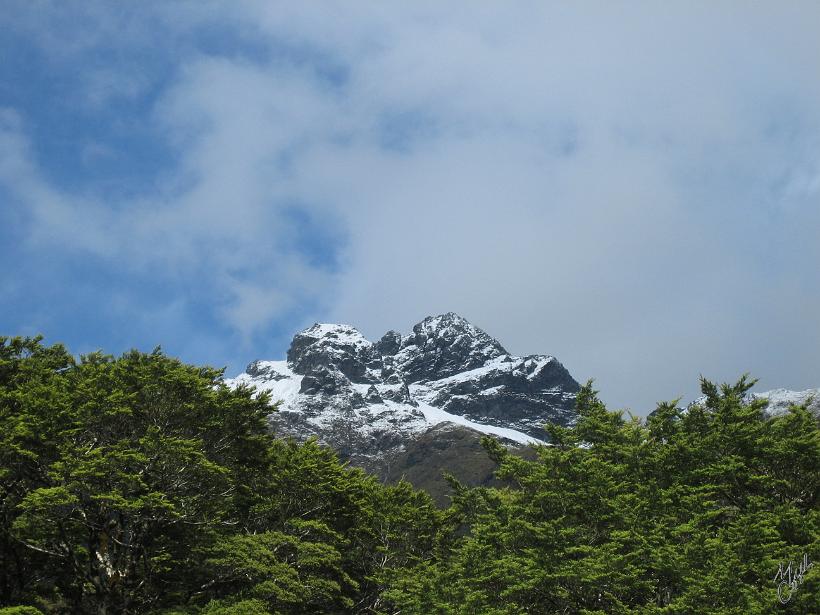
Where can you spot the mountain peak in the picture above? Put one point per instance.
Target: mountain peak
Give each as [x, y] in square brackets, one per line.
[446, 318]
[450, 323]
[444, 345]
[332, 333]
[372, 401]
[331, 345]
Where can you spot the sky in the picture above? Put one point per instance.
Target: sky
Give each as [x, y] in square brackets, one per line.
[632, 187]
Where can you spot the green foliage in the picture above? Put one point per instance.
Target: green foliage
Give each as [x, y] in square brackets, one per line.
[139, 484]
[691, 512]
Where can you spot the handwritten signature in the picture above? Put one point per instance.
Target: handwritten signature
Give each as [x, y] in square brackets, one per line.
[791, 578]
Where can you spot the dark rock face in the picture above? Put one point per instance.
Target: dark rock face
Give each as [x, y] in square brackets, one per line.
[441, 346]
[339, 346]
[514, 392]
[372, 396]
[325, 380]
[414, 404]
[389, 344]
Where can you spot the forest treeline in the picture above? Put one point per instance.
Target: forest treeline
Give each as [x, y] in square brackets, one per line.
[140, 484]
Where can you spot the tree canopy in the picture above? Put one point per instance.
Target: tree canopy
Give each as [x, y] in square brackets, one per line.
[140, 484]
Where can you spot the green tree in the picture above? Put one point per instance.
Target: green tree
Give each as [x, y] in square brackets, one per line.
[141, 484]
[688, 513]
[143, 455]
[33, 405]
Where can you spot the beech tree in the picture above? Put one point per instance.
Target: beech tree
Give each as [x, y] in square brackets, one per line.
[690, 512]
[127, 459]
[140, 484]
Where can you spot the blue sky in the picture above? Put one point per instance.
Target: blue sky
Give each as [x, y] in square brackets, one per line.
[632, 188]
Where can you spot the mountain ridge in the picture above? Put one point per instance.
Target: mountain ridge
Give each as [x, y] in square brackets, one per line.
[415, 405]
[372, 400]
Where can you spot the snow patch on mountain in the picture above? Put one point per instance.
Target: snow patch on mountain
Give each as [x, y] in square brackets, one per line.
[779, 400]
[277, 379]
[368, 400]
[436, 416]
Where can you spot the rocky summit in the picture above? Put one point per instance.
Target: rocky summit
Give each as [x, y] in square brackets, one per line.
[394, 405]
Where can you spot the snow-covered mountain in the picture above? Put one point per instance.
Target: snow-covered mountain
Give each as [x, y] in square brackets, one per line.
[780, 400]
[375, 401]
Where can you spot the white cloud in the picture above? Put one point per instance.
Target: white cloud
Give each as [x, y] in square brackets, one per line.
[594, 183]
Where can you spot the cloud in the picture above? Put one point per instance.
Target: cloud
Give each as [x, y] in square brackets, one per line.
[631, 188]
[221, 216]
[56, 218]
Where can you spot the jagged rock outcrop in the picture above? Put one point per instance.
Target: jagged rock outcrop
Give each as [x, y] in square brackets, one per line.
[443, 346]
[342, 347]
[447, 381]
